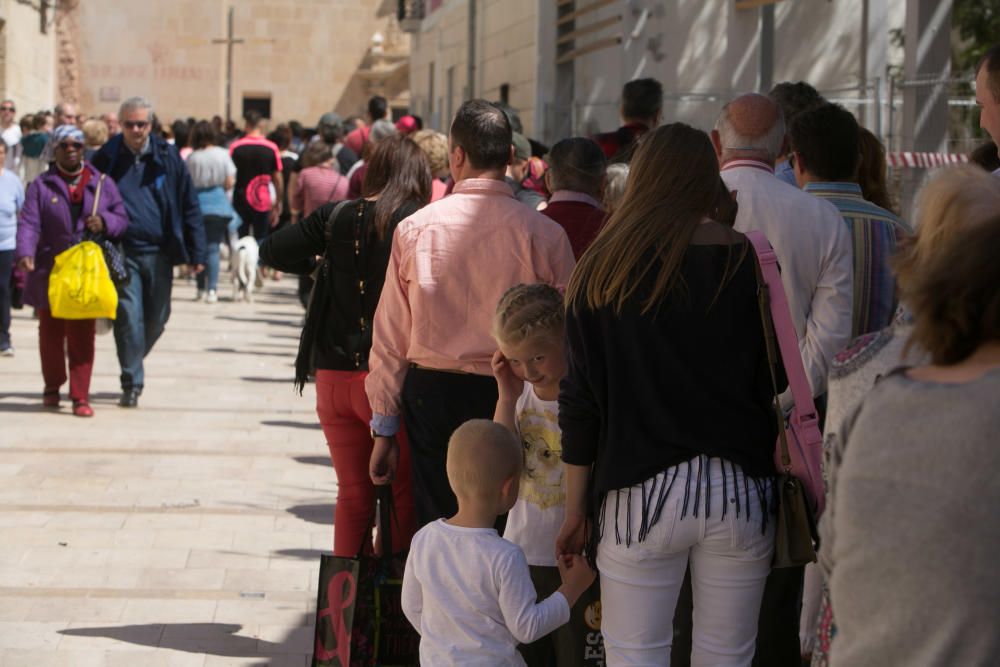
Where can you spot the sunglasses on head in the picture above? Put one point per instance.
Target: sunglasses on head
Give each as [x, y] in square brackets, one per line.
[70, 145]
[135, 124]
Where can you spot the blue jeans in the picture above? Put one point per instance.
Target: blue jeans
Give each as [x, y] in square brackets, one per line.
[6, 269]
[143, 311]
[216, 230]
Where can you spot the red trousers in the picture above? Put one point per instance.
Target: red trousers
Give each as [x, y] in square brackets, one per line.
[58, 339]
[344, 413]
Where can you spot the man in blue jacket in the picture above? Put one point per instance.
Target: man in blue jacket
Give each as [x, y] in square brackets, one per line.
[165, 229]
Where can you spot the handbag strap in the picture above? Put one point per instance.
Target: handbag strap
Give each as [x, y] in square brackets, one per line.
[763, 304]
[788, 341]
[383, 510]
[97, 195]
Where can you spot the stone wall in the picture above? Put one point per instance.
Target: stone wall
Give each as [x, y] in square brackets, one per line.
[27, 58]
[303, 54]
[507, 37]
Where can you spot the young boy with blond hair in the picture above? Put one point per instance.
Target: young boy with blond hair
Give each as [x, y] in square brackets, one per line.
[468, 591]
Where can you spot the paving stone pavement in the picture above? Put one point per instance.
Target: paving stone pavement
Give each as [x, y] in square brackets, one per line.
[183, 533]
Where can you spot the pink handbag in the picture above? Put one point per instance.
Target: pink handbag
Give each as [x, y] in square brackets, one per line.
[805, 441]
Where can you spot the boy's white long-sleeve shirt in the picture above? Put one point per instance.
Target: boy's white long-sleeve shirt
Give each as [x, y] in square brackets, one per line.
[469, 594]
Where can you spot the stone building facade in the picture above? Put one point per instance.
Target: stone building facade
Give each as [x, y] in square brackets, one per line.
[562, 63]
[296, 59]
[27, 55]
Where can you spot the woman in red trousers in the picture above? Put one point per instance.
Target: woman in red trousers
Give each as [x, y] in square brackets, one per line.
[356, 238]
[58, 207]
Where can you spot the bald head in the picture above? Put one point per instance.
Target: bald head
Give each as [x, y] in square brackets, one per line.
[482, 455]
[751, 126]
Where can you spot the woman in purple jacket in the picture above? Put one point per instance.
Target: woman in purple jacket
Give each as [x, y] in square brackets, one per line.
[58, 208]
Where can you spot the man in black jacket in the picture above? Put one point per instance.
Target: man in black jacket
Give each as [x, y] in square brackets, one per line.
[165, 229]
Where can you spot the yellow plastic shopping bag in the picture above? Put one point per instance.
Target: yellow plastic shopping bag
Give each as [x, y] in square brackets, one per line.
[80, 286]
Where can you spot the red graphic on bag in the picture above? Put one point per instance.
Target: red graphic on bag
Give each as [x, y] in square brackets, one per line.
[340, 596]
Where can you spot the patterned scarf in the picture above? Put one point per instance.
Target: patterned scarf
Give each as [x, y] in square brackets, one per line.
[76, 182]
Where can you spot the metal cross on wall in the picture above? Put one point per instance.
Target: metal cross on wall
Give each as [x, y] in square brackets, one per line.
[229, 41]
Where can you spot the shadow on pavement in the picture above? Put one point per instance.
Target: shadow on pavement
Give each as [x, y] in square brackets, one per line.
[256, 353]
[291, 322]
[314, 460]
[250, 378]
[301, 554]
[203, 638]
[284, 423]
[321, 514]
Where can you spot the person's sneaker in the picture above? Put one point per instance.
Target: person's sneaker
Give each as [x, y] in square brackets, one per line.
[212, 296]
[82, 409]
[199, 295]
[130, 397]
[7, 352]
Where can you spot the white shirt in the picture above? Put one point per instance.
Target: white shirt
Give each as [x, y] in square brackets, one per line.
[468, 593]
[537, 516]
[816, 257]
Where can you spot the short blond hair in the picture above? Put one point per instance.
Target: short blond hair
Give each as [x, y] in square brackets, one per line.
[435, 146]
[482, 455]
[95, 133]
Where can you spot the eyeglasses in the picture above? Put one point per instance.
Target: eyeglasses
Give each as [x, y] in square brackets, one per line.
[70, 145]
[135, 124]
[7, 109]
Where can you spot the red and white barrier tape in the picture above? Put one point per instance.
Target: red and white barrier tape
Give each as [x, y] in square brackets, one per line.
[925, 160]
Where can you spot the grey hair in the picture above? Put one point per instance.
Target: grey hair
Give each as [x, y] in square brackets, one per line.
[768, 144]
[614, 188]
[133, 103]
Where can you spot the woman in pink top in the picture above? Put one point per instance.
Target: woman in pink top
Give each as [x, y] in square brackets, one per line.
[318, 184]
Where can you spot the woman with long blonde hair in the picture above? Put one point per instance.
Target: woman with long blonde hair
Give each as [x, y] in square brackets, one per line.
[666, 411]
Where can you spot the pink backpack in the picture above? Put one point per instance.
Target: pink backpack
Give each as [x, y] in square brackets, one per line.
[805, 442]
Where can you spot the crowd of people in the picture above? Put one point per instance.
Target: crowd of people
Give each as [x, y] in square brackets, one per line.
[558, 359]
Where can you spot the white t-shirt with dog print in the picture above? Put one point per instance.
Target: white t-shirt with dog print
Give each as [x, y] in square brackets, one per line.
[537, 516]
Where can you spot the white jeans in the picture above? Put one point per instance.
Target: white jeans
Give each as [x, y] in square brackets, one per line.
[730, 559]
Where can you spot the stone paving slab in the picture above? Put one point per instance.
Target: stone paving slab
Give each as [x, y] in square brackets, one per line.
[184, 533]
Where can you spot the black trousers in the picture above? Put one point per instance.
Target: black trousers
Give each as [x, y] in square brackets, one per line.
[777, 629]
[435, 403]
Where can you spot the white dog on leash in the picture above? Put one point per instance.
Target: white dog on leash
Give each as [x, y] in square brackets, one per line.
[245, 257]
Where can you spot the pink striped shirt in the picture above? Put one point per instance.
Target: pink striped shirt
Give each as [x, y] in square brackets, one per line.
[451, 262]
[317, 186]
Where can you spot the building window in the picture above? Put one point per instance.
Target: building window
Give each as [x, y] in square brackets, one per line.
[505, 93]
[430, 91]
[450, 97]
[257, 102]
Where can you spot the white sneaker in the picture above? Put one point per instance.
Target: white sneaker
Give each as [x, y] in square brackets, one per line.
[7, 352]
[212, 296]
[199, 295]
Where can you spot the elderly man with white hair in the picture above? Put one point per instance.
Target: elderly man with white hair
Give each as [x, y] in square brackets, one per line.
[815, 252]
[808, 235]
[165, 229]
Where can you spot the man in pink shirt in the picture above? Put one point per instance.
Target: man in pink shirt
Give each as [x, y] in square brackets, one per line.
[451, 262]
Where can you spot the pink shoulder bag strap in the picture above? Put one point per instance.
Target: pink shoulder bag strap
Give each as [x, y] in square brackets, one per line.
[804, 440]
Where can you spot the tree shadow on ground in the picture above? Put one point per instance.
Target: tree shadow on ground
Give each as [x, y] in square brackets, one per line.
[202, 638]
[321, 513]
[285, 423]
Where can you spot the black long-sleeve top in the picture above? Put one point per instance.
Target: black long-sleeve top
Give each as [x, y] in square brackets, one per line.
[644, 392]
[357, 264]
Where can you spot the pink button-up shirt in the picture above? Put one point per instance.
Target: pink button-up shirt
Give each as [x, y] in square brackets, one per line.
[451, 262]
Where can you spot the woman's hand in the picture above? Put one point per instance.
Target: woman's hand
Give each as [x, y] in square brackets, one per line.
[383, 461]
[509, 386]
[26, 264]
[572, 536]
[95, 224]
